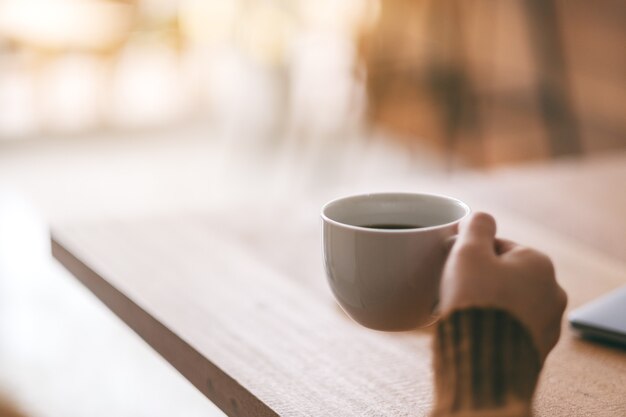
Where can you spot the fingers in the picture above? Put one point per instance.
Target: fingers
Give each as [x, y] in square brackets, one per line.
[503, 246]
[449, 243]
[532, 258]
[479, 231]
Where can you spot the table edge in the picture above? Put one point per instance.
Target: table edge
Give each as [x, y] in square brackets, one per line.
[215, 384]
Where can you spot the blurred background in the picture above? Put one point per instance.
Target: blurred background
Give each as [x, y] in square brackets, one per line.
[136, 107]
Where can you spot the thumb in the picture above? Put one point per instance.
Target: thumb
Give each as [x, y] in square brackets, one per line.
[478, 230]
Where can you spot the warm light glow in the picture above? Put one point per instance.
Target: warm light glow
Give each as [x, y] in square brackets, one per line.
[265, 32]
[146, 87]
[142, 63]
[344, 16]
[208, 21]
[72, 88]
[61, 24]
[17, 103]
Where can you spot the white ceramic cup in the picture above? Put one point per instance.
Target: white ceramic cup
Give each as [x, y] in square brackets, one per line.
[388, 279]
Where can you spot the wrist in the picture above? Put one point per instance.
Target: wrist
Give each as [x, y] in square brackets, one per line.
[484, 362]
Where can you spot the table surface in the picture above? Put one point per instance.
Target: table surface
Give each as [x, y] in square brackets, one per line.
[239, 304]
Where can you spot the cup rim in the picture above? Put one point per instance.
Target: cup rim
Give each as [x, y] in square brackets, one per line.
[327, 219]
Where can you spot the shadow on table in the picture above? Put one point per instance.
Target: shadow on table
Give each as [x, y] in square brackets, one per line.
[614, 346]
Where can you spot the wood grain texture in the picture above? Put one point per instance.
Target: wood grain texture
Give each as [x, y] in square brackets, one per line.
[238, 304]
[583, 199]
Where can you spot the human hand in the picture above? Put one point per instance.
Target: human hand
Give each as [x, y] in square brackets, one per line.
[483, 271]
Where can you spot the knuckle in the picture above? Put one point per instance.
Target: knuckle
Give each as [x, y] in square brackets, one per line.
[548, 267]
[525, 251]
[545, 262]
[541, 260]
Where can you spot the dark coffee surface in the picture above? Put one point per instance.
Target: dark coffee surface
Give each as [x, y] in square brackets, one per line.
[392, 226]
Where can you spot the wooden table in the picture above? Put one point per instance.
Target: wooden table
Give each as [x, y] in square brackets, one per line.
[580, 199]
[238, 303]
